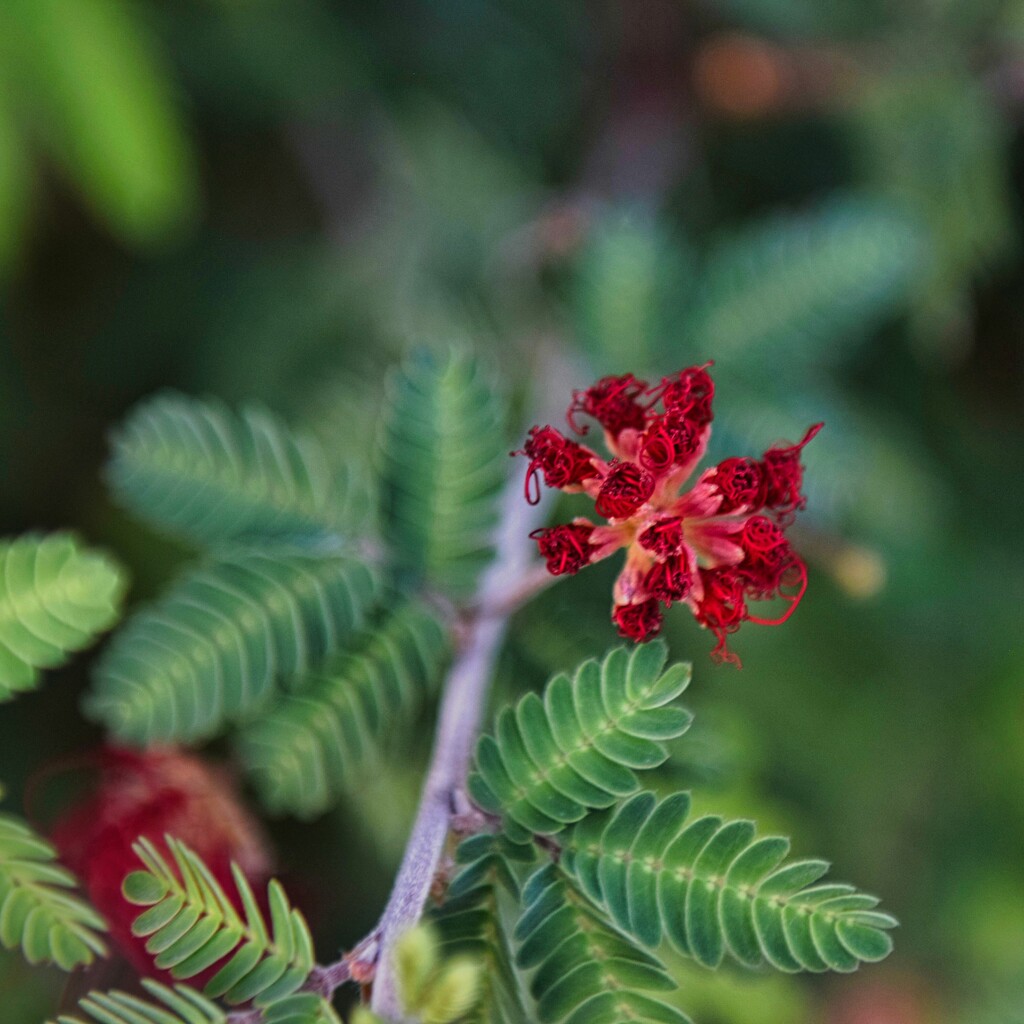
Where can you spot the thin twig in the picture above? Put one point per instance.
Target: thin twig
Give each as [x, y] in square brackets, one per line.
[459, 718]
[530, 583]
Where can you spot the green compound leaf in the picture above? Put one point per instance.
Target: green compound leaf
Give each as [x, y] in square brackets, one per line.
[473, 921]
[443, 462]
[714, 888]
[55, 598]
[38, 913]
[312, 744]
[937, 143]
[433, 989]
[587, 972]
[209, 651]
[804, 280]
[180, 1005]
[301, 1008]
[198, 469]
[192, 925]
[630, 287]
[552, 761]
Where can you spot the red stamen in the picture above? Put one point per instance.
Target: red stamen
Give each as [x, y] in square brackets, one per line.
[657, 448]
[799, 570]
[784, 476]
[669, 580]
[688, 394]
[663, 538]
[612, 401]
[722, 609]
[742, 484]
[563, 462]
[638, 622]
[566, 548]
[767, 557]
[624, 490]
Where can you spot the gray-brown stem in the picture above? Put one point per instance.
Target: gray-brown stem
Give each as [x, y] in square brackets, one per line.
[508, 582]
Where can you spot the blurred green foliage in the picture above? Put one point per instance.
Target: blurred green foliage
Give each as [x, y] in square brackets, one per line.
[822, 198]
[85, 83]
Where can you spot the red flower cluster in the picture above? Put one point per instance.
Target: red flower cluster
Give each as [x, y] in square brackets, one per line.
[716, 547]
[155, 793]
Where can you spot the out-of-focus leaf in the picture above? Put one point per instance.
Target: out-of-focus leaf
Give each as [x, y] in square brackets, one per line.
[808, 283]
[937, 145]
[442, 464]
[94, 81]
[264, 60]
[806, 18]
[632, 280]
[15, 182]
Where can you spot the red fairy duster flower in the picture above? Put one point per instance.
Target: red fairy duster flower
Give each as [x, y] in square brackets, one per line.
[716, 547]
[153, 794]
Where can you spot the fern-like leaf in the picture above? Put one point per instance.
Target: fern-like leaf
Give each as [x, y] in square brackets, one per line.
[38, 912]
[301, 1008]
[191, 925]
[442, 466]
[209, 651]
[938, 145]
[630, 288]
[551, 761]
[183, 1005]
[713, 887]
[587, 972]
[310, 744]
[201, 471]
[55, 598]
[803, 280]
[178, 1005]
[472, 922]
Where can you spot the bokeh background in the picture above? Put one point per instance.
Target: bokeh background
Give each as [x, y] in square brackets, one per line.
[272, 199]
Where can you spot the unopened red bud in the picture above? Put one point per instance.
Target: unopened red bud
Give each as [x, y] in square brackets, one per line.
[153, 794]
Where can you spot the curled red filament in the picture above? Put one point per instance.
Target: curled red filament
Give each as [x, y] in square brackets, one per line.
[742, 484]
[612, 401]
[669, 580]
[563, 462]
[566, 548]
[624, 490]
[784, 476]
[638, 622]
[663, 538]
